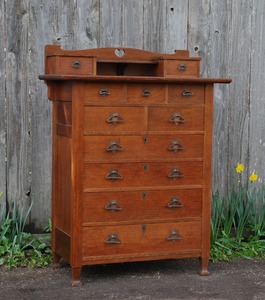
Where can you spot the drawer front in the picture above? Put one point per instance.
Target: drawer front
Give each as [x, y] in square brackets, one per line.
[75, 65]
[175, 119]
[143, 147]
[186, 94]
[146, 93]
[109, 120]
[183, 68]
[104, 93]
[116, 175]
[141, 238]
[141, 205]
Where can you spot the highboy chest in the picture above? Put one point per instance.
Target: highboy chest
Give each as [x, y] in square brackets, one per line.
[132, 148]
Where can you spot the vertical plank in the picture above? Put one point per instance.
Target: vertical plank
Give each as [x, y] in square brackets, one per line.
[2, 109]
[176, 25]
[219, 66]
[18, 103]
[240, 72]
[199, 32]
[111, 23]
[154, 25]
[88, 24]
[133, 12]
[257, 93]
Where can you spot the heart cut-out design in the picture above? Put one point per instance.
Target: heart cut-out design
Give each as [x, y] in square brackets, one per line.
[119, 52]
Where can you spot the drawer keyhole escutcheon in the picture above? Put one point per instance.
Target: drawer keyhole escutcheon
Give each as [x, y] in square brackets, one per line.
[175, 173]
[114, 174]
[176, 118]
[145, 167]
[113, 239]
[175, 146]
[174, 236]
[114, 146]
[115, 118]
[144, 228]
[113, 206]
[174, 203]
[144, 194]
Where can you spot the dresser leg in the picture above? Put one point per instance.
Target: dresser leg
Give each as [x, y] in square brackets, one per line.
[204, 266]
[76, 273]
[56, 260]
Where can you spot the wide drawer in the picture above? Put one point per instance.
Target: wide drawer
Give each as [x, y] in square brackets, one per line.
[141, 205]
[146, 93]
[109, 120]
[141, 238]
[104, 93]
[183, 68]
[143, 147]
[115, 175]
[186, 94]
[177, 118]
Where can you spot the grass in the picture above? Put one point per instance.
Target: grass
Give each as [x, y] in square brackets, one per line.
[20, 248]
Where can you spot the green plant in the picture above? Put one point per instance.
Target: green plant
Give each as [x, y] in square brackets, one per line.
[19, 248]
[238, 221]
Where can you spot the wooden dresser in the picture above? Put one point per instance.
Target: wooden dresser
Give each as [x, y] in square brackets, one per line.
[132, 148]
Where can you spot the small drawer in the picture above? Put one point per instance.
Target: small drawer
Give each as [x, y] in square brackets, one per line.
[141, 205]
[140, 238]
[143, 147]
[111, 120]
[124, 175]
[71, 65]
[146, 93]
[186, 94]
[175, 119]
[104, 93]
[183, 68]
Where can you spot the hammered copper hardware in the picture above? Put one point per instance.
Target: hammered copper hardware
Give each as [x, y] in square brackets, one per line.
[104, 92]
[113, 206]
[146, 92]
[76, 64]
[174, 236]
[176, 118]
[187, 93]
[115, 118]
[174, 203]
[114, 146]
[182, 67]
[114, 175]
[175, 173]
[175, 146]
[113, 239]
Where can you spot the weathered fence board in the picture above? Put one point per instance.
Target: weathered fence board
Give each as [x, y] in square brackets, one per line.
[228, 35]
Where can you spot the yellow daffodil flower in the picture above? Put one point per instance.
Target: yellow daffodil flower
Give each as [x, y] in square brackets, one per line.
[240, 168]
[253, 177]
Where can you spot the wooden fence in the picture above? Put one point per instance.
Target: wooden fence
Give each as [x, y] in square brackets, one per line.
[228, 35]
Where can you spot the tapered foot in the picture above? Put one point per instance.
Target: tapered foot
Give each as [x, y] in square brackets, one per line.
[204, 267]
[76, 273]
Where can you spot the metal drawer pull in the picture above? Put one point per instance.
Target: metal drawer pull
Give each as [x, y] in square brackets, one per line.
[114, 175]
[176, 118]
[187, 93]
[113, 239]
[76, 64]
[146, 92]
[115, 118]
[104, 92]
[175, 146]
[175, 173]
[174, 236]
[113, 205]
[182, 67]
[114, 146]
[174, 203]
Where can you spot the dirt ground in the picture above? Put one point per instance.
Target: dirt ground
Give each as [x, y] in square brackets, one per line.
[157, 280]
